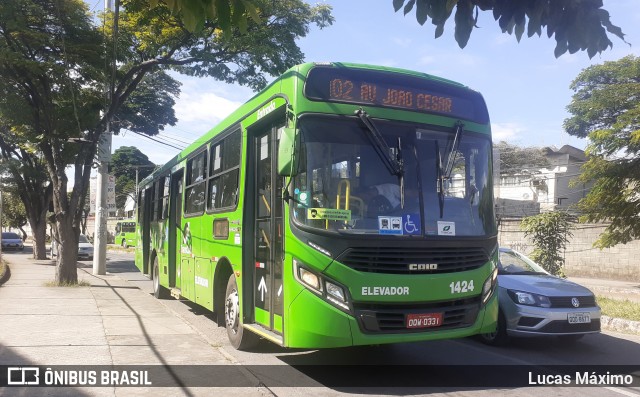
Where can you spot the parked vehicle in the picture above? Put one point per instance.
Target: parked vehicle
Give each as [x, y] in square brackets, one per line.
[85, 248]
[11, 241]
[535, 303]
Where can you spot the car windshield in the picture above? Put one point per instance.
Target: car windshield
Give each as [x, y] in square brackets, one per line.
[344, 182]
[10, 236]
[512, 262]
[83, 239]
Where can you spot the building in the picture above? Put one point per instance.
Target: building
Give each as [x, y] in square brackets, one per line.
[533, 190]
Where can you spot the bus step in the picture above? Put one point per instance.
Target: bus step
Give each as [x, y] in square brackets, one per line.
[175, 292]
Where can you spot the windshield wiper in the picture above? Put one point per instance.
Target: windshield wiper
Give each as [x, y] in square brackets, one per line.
[394, 165]
[445, 172]
[459, 126]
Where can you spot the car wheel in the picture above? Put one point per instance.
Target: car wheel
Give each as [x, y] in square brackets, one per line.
[570, 338]
[159, 291]
[239, 339]
[499, 337]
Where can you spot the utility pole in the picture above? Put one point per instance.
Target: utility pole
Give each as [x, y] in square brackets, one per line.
[104, 158]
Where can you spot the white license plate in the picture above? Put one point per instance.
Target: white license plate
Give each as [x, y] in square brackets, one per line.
[579, 318]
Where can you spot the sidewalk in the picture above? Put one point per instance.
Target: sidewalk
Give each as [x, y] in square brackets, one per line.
[111, 322]
[614, 289]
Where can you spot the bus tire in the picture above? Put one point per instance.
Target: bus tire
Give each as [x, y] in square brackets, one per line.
[239, 339]
[500, 336]
[159, 291]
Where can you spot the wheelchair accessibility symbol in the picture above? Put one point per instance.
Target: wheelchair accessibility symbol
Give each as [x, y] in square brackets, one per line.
[411, 223]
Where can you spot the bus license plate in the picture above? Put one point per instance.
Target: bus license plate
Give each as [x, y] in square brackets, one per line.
[424, 320]
[579, 318]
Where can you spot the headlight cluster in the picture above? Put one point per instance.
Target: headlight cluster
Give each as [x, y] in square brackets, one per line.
[327, 289]
[529, 299]
[489, 286]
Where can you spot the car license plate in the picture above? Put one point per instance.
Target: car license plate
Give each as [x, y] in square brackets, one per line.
[579, 318]
[424, 320]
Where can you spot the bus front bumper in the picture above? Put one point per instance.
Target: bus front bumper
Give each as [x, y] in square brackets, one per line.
[314, 323]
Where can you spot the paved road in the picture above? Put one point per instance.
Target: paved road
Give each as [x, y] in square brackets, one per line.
[605, 349]
[117, 321]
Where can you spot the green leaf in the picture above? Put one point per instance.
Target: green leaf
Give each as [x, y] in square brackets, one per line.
[397, 4]
[464, 22]
[224, 14]
[252, 10]
[422, 11]
[409, 6]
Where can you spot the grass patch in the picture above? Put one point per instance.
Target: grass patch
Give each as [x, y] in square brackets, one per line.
[79, 284]
[619, 308]
[2, 265]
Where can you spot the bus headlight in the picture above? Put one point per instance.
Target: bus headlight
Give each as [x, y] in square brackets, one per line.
[336, 294]
[309, 279]
[489, 286]
[329, 290]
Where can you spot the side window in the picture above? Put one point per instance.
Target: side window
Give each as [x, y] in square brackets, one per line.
[164, 214]
[154, 201]
[224, 172]
[196, 178]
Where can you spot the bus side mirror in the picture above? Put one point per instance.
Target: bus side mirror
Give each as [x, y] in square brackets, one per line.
[287, 159]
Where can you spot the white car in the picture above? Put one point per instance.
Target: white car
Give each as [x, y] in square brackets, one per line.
[85, 248]
[535, 303]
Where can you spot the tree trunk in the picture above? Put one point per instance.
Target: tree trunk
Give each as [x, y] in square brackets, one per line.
[67, 251]
[39, 238]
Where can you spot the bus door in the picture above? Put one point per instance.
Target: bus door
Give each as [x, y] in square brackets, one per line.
[174, 233]
[267, 233]
[146, 229]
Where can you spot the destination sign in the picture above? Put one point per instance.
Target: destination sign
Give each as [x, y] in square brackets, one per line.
[386, 89]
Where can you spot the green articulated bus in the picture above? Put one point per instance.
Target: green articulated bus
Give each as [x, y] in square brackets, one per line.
[342, 205]
[126, 233]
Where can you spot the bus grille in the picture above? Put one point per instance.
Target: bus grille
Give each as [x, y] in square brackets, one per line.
[391, 318]
[397, 260]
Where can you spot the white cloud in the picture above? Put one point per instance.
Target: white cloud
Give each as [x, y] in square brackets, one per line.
[205, 108]
[506, 131]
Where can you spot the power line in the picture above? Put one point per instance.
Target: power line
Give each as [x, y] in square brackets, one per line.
[157, 141]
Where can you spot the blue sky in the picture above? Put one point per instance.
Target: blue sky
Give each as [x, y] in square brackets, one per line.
[526, 88]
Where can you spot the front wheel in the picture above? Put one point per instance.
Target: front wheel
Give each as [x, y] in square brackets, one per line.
[499, 337]
[159, 291]
[239, 339]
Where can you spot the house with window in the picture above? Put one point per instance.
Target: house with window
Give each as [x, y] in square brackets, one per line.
[529, 191]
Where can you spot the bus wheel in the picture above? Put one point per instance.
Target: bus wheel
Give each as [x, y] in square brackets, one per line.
[159, 291]
[239, 339]
[499, 337]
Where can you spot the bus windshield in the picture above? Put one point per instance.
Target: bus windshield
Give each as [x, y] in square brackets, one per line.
[343, 184]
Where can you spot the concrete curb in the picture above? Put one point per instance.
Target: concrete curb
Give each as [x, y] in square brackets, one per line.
[6, 274]
[620, 325]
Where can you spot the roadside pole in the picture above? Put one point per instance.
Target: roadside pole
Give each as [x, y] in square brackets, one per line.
[102, 208]
[104, 158]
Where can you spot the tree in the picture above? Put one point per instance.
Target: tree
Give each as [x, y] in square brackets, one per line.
[514, 159]
[13, 213]
[27, 179]
[577, 25]
[52, 79]
[605, 108]
[129, 165]
[549, 232]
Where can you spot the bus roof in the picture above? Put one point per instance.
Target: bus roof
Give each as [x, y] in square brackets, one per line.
[297, 72]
